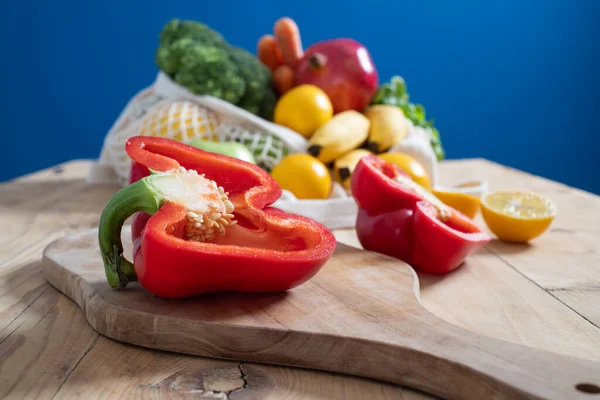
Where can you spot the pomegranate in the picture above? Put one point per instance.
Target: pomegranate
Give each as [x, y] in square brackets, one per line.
[343, 69]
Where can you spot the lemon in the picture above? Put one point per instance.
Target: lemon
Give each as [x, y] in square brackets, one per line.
[408, 165]
[465, 203]
[517, 216]
[181, 120]
[303, 175]
[303, 109]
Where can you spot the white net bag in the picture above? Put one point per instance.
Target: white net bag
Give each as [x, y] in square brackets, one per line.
[166, 109]
[179, 120]
[267, 149]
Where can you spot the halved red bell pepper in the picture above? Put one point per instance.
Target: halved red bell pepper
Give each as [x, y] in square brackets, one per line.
[398, 218]
[192, 236]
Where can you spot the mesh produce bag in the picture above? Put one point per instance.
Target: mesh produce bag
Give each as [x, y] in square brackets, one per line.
[267, 149]
[179, 120]
[167, 109]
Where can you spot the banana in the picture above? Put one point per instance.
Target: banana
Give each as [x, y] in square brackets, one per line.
[344, 166]
[344, 132]
[388, 127]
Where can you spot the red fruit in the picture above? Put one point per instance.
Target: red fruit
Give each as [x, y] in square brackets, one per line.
[343, 69]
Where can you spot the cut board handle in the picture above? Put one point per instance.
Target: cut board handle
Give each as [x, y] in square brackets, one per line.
[359, 316]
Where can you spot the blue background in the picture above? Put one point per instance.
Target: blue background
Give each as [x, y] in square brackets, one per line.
[510, 80]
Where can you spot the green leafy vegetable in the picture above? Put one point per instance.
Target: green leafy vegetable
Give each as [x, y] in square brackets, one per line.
[198, 58]
[220, 76]
[395, 93]
[255, 99]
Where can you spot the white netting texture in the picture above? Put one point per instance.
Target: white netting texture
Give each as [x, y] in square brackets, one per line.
[185, 121]
[166, 109]
[180, 120]
[267, 149]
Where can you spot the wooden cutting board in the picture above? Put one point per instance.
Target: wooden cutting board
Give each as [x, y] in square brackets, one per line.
[359, 315]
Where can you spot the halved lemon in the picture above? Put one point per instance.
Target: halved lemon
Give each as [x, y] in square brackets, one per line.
[465, 203]
[517, 215]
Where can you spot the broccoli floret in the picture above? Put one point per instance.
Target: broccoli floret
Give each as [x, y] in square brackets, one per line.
[176, 29]
[202, 33]
[168, 58]
[210, 71]
[256, 76]
[199, 58]
[169, 32]
[267, 107]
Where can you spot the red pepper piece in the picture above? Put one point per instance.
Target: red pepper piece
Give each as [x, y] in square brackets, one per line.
[266, 250]
[411, 226]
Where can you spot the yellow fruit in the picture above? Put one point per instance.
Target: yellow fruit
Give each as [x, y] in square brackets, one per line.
[388, 127]
[303, 109]
[344, 166]
[303, 175]
[465, 203]
[182, 121]
[410, 166]
[517, 216]
[344, 132]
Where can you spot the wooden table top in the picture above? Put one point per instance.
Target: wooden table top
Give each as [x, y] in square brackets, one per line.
[544, 295]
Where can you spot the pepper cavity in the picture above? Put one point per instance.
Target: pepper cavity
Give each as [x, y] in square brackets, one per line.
[202, 226]
[174, 209]
[399, 218]
[209, 209]
[443, 212]
[390, 170]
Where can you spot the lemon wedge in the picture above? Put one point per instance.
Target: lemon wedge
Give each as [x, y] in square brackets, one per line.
[516, 215]
[465, 203]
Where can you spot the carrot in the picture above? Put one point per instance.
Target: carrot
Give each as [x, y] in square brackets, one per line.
[266, 50]
[283, 78]
[279, 56]
[287, 34]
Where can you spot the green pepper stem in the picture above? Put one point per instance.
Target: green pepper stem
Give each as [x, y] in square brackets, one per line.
[133, 198]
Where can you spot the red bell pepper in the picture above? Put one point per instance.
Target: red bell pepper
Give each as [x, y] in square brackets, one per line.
[398, 218]
[203, 224]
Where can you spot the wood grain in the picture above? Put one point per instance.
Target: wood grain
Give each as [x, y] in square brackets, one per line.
[115, 370]
[43, 335]
[49, 204]
[586, 302]
[499, 302]
[494, 299]
[359, 315]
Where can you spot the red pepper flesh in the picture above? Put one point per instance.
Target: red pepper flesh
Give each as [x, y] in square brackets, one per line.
[268, 250]
[398, 222]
